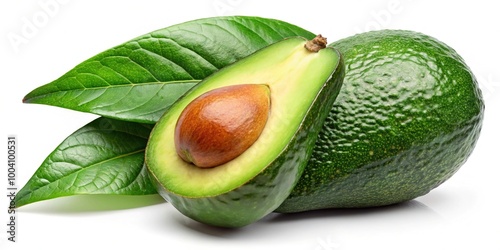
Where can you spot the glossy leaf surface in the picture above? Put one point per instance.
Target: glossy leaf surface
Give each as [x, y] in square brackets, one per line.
[137, 80]
[104, 157]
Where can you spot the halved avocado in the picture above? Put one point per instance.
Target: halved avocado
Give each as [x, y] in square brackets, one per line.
[303, 83]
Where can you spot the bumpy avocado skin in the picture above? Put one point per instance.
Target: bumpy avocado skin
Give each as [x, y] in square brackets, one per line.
[267, 190]
[408, 116]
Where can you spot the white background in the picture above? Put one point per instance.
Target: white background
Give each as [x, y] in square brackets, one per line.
[463, 213]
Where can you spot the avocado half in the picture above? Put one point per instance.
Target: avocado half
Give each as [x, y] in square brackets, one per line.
[303, 85]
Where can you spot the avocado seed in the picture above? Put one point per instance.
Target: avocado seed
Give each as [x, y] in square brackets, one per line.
[221, 124]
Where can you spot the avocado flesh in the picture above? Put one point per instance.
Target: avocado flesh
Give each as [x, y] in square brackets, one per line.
[408, 116]
[303, 86]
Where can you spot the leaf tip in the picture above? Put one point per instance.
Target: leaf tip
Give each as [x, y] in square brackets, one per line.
[18, 202]
[28, 98]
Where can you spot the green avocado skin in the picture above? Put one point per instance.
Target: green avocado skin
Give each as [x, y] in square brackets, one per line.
[407, 117]
[243, 206]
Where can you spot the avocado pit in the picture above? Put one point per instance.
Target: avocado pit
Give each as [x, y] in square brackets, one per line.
[221, 124]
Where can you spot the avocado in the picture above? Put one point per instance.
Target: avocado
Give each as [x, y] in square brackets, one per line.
[408, 116]
[292, 84]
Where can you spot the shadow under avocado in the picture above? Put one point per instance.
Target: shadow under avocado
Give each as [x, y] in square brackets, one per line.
[411, 206]
[91, 203]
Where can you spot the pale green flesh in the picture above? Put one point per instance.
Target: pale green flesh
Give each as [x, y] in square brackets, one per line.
[281, 66]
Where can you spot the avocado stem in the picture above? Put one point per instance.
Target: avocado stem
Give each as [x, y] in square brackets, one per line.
[316, 44]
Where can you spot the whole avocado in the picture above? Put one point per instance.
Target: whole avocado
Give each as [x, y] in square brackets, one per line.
[408, 116]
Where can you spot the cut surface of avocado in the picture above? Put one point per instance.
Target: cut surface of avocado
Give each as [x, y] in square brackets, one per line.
[303, 85]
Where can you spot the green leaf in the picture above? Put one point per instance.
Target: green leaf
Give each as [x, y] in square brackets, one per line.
[104, 157]
[138, 80]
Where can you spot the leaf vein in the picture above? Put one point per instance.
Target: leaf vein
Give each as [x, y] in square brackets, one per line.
[168, 59]
[84, 168]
